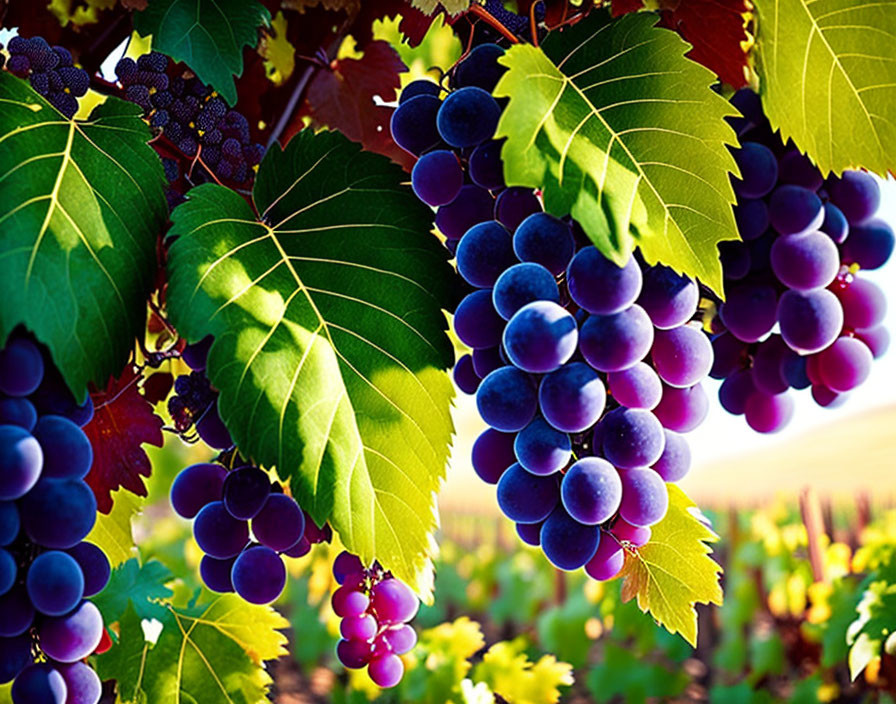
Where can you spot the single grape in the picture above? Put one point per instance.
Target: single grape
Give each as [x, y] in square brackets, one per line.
[400, 639]
[632, 437]
[301, 548]
[18, 411]
[675, 461]
[626, 532]
[805, 261]
[16, 612]
[72, 505]
[752, 218]
[768, 414]
[835, 224]
[465, 376]
[21, 367]
[599, 285]
[546, 240]
[521, 284]
[386, 670]
[526, 498]
[668, 298]
[480, 68]
[758, 170]
[476, 322]
[735, 390]
[797, 169]
[245, 492]
[793, 368]
[736, 260]
[362, 627]
[280, 523]
[809, 320]
[15, 656]
[636, 387]
[591, 490]
[877, 339]
[258, 575]
[870, 244]
[66, 450]
[608, 559]
[467, 117]
[73, 636]
[83, 685]
[682, 410]
[472, 206]
[845, 364]
[856, 194]
[437, 177]
[530, 533]
[418, 87]
[218, 533]
[507, 399]
[393, 601]
[413, 124]
[541, 449]
[21, 460]
[485, 166]
[768, 363]
[215, 573]
[794, 209]
[645, 498]
[749, 311]
[513, 205]
[346, 564]
[348, 602]
[566, 543]
[39, 683]
[94, 566]
[864, 304]
[612, 343]
[572, 398]
[682, 356]
[493, 452]
[486, 360]
[484, 252]
[9, 522]
[540, 337]
[212, 429]
[353, 654]
[729, 355]
[827, 398]
[195, 487]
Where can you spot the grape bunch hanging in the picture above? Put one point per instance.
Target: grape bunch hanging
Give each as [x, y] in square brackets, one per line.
[50, 71]
[588, 372]
[798, 313]
[47, 570]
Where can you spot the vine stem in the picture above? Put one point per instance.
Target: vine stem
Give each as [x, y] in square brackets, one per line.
[487, 17]
[297, 93]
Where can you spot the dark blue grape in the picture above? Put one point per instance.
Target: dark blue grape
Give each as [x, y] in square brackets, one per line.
[437, 177]
[245, 492]
[567, 543]
[15, 656]
[467, 117]
[18, 411]
[758, 170]
[521, 284]
[667, 297]
[542, 449]
[476, 322]
[280, 523]
[485, 166]
[751, 216]
[835, 224]
[21, 460]
[870, 244]
[195, 487]
[216, 573]
[218, 533]
[794, 209]
[413, 124]
[540, 337]
[9, 522]
[21, 367]
[258, 575]
[675, 461]
[572, 398]
[546, 240]
[601, 286]
[480, 68]
[94, 566]
[465, 377]
[526, 498]
[856, 194]
[611, 343]
[530, 533]
[66, 449]
[493, 453]
[796, 168]
[39, 684]
[71, 504]
[484, 252]
[55, 583]
[418, 87]
[515, 204]
[591, 491]
[632, 437]
[507, 399]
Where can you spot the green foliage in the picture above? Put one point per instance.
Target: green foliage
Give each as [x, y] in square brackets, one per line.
[561, 629]
[828, 79]
[619, 129]
[876, 621]
[112, 531]
[81, 205]
[623, 673]
[207, 35]
[330, 344]
[674, 571]
[507, 670]
[142, 585]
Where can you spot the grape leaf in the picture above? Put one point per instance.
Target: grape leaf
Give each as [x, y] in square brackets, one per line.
[207, 35]
[342, 98]
[507, 670]
[873, 624]
[81, 205]
[624, 133]
[716, 29]
[122, 421]
[452, 7]
[673, 570]
[142, 585]
[112, 531]
[828, 79]
[197, 658]
[330, 344]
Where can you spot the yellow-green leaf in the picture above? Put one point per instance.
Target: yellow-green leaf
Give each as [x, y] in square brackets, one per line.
[112, 531]
[674, 571]
[508, 671]
[827, 72]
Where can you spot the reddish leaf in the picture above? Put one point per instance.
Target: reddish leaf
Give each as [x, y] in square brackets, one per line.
[157, 386]
[714, 27]
[123, 420]
[342, 98]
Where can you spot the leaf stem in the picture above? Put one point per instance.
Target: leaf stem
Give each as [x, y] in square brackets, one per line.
[297, 93]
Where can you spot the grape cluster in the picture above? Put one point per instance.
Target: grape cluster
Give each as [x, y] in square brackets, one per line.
[50, 70]
[375, 609]
[190, 114]
[587, 371]
[243, 523]
[47, 571]
[797, 313]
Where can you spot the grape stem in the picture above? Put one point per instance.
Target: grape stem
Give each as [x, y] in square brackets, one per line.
[488, 18]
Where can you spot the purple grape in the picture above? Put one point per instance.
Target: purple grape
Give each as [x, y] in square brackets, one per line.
[736, 260]
[218, 533]
[794, 370]
[472, 206]
[835, 225]
[668, 298]
[485, 166]
[16, 612]
[39, 683]
[21, 460]
[212, 429]
[215, 573]
[437, 177]
[768, 361]
[258, 575]
[18, 411]
[480, 68]
[66, 450]
[870, 244]
[418, 87]
[809, 320]
[645, 498]
[196, 355]
[567, 543]
[540, 337]
[612, 343]
[864, 304]
[486, 360]
[752, 219]
[794, 209]
[195, 487]
[768, 414]
[729, 355]
[400, 639]
[632, 437]
[467, 117]
[636, 387]
[353, 654]
[8, 571]
[682, 356]
[55, 583]
[541, 449]
[72, 505]
[607, 561]
[513, 205]
[526, 498]
[599, 285]
[591, 491]
[9, 522]
[280, 523]
[796, 168]
[675, 461]
[856, 194]
[465, 377]
[348, 602]
[507, 399]
[393, 601]
[877, 339]
[413, 124]
[805, 261]
[15, 656]
[301, 548]
[493, 453]
[845, 364]
[682, 410]
[530, 533]
[626, 532]
[484, 252]
[572, 398]
[827, 398]
[21, 367]
[345, 564]
[363, 627]
[546, 240]
[476, 322]
[386, 670]
[521, 284]
[245, 492]
[758, 170]
[73, 636]
[749, 311]
[82, 684]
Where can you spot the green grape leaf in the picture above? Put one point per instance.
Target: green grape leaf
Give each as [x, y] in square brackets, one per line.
[142, 585]
[81, 205]
[112, 531]
[624, 674]
[330, 344]
[619, 129]
[207, 35]
[507, 670]
[673, 570]
[875, 621]
[205, 654]
[827, 75]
